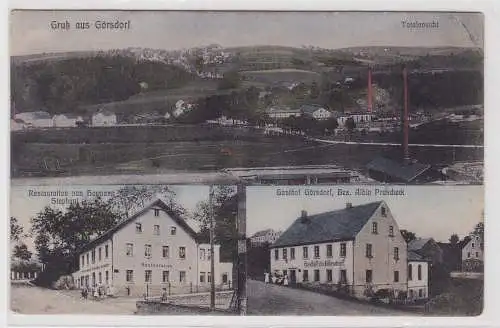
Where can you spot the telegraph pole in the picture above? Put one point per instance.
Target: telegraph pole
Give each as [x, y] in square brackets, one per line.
[212, 264]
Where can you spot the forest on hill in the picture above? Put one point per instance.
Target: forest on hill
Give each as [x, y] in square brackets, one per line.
[63, 86]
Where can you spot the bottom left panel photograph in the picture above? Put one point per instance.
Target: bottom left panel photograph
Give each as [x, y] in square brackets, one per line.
[129, 249]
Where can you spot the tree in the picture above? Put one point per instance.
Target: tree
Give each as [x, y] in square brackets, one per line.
[408, 236]
[230, 80]
[16, 230]
[60, 235]
[314, 90]
[225, 210]
[454, 239]
[21, 252]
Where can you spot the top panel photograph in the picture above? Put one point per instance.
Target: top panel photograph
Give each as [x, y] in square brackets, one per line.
[269, 98]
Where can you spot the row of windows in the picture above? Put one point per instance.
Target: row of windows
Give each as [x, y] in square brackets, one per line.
[468, 254]
[329, 275]
[305, 252]
[93, 255]
[148, 251]
[375, 229]
[421, 293]
[84, 281]
[410, 272]
[329, 252]
[148, 276]
[156, 229]
[205, 254]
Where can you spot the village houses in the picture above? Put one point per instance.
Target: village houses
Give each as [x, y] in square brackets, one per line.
[104, 118]
[281, 112]
[315, 111]
[66, 120]
[37, 119]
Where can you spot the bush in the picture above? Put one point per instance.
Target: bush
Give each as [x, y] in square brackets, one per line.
[64, 282]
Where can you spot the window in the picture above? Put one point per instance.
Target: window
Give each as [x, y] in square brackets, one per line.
[383, 211]
[182, 276]
[88, 262]
[396, 276]
[138, 228]
[93, 278]
[468, 255]
[477, 254]
[472, 245]
[173, 231]
[224, 278]
[329, 275]
[284, 254]
[83, 260]
[316, 252]
[305, 275]
[329, 250]
[165, 276]
[343, 249]
[182, 252]
[129, 276]
[100, 254]
[156, 229]
[420, 293]
[157, 212]
[130, 249]
[165, 252]
[93, 256]
[148, 276]
[106, 251]
[147, 250]
[276, 254]
[100, 277]
[343, 276]
[369, 276]
[391, 231]
[209, 254]
[202, 277]
[209, 277]
[107, 277]
[396, 253]
[292, 253]
[410, 272]
[374, 227]
[305, 252]
[369, 252]
[419, 272]
[203, 255]
[316, 275]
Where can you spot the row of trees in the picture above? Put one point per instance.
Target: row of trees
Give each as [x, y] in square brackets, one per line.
[60, 234]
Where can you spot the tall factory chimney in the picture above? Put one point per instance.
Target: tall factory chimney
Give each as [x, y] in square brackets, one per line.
[406, 152]
[370, 90]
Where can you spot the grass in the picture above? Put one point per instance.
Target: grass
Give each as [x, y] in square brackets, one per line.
[274, 75]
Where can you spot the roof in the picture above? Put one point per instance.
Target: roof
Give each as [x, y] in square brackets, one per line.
[414, 257]
[281, 109]
[464, 242]
[105, 112]
[417, 244]
[157, 203]
[309, 109]
[69, 115]
[261, 233]
[337, 225]
[406, 172]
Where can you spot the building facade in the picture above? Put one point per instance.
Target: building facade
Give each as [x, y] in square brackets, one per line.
[315, 111]
[104, 118]
[38, 119]
[358, 247]
[418, 277]
[281, 112]
[66, 120]
[149, 252]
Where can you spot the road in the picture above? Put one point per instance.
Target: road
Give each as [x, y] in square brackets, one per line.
[36, 300]
[267, 299]
[393, 144]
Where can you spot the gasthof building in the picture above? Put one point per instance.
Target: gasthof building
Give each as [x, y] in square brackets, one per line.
[151, 251]
[358, 248]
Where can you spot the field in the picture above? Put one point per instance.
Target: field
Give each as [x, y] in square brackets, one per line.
[156, 150]
[273, 75]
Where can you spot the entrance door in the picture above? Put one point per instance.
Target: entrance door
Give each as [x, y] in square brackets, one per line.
[293, 276]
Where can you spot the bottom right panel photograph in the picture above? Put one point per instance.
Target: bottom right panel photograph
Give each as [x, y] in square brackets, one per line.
[365, 250]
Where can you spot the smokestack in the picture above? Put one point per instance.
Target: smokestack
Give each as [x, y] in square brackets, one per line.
[370, 90]
[406, 152]
[348, 205]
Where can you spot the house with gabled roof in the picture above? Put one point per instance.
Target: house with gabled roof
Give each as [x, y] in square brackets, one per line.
[36, 119]
[357, 247]
[151, 251]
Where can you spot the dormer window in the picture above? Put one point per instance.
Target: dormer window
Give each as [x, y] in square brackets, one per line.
[157, 212]
[383, 211]
[374, 228]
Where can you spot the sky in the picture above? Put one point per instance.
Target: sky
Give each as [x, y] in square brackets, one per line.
[428, 211]
[23, 206]
[30, 31]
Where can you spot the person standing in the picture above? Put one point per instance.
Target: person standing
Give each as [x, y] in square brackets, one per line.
[285, 280]
[266, 277]
[273, 278]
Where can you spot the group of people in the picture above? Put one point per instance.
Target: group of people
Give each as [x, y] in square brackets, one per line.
[97, 292]
[276, 278]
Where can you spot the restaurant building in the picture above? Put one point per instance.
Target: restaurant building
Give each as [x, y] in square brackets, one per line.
[152, 251]
[359, 248]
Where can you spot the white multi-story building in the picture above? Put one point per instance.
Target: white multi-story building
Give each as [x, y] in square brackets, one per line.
[264, 236]
[473, 249]
[280, 112]
[358, 247]
[152, 250]
[418, 277]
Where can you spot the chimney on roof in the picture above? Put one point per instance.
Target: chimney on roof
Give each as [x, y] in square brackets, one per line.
[348, 205]
[303, 217]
